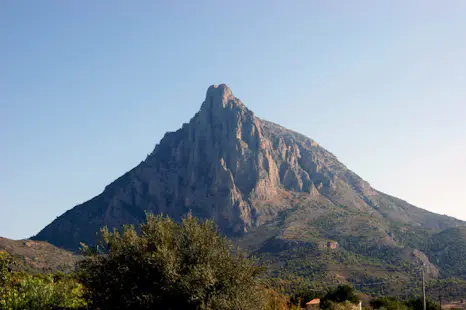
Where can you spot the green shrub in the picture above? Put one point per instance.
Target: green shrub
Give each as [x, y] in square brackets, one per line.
[341, 294]
[388, 303]
[418, 304]
[170, 266]
[27, 291]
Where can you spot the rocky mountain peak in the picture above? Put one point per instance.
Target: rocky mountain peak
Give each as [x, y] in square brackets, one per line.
[221, 97]
[230, 166]
[223, 90]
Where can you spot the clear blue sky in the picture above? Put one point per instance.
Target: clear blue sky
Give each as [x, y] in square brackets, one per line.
[87, 88]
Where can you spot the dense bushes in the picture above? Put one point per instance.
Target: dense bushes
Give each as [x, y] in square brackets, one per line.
[170, 266]
[388, 303]
[448, 248]
[162, 265]
[342, 294]
[391, 303]
[26, 291]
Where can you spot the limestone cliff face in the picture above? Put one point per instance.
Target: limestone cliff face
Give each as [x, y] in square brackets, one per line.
[224, 164]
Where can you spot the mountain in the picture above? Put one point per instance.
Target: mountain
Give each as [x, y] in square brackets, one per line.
[448, 248]
[277, 192]
[38, 256]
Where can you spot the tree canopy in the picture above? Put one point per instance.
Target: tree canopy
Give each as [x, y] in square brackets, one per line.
[340, 294]
[20, 290]
[169, 265]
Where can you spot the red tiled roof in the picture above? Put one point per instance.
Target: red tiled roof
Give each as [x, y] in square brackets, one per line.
[315, 301]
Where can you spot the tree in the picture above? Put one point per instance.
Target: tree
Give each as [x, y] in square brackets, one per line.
[418, 304]
[302, 295]
[169, 266]
[20, 290]
[3, 267]
[388, 303]
[341, 294]
[5, 262]
[43, 292]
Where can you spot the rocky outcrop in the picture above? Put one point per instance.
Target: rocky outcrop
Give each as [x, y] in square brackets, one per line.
[423, 260]
[225, 164]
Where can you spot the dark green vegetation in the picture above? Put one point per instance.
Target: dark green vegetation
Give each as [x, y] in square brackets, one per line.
[341, 294]
[168, 265]
[20, 290]
[344, 248]
[391, 303]
[448, 249]
[162, 265]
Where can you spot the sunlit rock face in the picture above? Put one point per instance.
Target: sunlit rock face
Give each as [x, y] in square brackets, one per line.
[228, 165]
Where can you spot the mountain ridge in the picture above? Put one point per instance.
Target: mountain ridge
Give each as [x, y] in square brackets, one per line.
[277, 192]
[38, 256]
[239, 143]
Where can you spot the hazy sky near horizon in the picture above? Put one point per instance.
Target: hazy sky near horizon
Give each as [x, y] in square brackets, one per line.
[87, 88]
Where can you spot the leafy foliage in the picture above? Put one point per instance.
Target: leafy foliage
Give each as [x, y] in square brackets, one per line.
[418, 304]
[392, 303]
[388, 303]
[20, 290]
[303, 295]
[341, 294]
[346, 305]
[448, 250]
[43, 292]
[451, 289]
[5, 276]
[170, 266]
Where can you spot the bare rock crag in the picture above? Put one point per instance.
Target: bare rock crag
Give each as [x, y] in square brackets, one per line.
[242, 171]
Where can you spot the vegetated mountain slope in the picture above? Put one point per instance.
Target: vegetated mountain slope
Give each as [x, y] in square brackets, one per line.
[273, 189]
[448, 249]
[38, 256]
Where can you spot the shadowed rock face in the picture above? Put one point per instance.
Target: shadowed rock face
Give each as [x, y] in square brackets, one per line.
[242, 171]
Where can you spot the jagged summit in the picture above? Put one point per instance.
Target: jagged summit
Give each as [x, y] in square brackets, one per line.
[222, 89]
[243, 172]
[221, 96]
